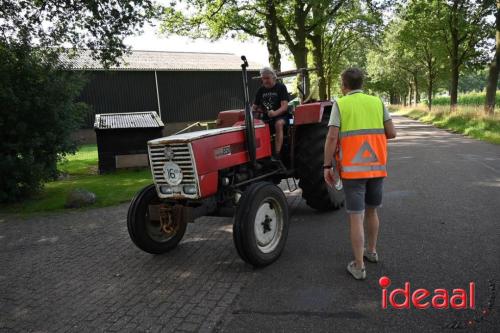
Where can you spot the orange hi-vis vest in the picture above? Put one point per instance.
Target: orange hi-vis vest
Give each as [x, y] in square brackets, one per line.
[363, 145]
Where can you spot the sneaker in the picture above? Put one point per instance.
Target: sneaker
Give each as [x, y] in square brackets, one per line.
[357, 273]
[370, 256]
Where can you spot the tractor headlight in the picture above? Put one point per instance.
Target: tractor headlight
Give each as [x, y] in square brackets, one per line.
[189, 189]
[165, 189]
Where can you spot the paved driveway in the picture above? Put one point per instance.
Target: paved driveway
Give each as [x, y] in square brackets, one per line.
[78, 271]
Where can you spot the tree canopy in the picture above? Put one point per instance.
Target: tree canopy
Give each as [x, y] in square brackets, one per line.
[411, 49]
[38, 92]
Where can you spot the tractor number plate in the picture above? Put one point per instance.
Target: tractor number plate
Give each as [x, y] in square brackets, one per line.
[172, 173]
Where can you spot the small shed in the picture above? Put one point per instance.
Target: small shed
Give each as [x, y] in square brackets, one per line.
[122, 138]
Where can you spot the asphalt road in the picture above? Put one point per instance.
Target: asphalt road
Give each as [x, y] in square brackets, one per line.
[440, 228]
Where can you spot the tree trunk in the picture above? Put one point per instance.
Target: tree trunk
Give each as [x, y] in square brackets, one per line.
[430, 82]
[328, 86]
[300, 48]
[454, 57]
[297, 43]
[317, 51]
[417, 92]
[300, 59]
[316, 39]
[491, 89]
[272, 36]
[429, 92]
[454, 84]
[410, 94]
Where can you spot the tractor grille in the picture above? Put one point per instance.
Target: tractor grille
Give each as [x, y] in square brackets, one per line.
[182, 157]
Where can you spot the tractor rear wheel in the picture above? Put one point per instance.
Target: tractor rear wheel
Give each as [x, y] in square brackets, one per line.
[260, 225]
[145, 227]
[309, 154]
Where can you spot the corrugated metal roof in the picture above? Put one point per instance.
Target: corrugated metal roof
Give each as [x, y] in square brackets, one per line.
[163, 61]
[149, 119]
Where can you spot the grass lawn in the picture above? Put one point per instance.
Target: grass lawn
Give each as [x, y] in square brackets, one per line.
[81, 172]
[466, 120]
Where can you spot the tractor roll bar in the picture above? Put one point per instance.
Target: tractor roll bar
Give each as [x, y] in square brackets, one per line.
[293, 72]
[249, 126]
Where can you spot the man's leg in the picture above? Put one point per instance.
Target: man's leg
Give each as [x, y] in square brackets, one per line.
[278, 143]
[372, 224]
[373, 200]
[355, 190]
[357, 237]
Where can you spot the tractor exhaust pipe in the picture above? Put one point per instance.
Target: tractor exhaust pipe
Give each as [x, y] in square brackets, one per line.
[249, 126]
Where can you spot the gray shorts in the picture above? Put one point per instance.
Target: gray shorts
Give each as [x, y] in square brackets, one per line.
[362, 192]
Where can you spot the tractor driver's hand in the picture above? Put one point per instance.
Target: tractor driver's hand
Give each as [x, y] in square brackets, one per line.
[329, 176]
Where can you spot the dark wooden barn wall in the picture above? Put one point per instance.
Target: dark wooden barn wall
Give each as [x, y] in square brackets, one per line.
[184, 96]
[114, 91]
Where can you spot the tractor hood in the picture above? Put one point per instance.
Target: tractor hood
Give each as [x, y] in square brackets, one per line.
[192, 136]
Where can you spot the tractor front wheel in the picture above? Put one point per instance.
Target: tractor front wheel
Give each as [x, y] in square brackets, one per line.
[260, 226]
[153, 226]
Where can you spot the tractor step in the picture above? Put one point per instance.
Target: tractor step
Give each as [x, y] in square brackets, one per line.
[295, 186]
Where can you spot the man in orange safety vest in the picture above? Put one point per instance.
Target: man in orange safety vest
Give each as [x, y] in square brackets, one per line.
[356, 145]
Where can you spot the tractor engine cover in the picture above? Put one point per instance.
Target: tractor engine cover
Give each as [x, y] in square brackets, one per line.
[186, 166]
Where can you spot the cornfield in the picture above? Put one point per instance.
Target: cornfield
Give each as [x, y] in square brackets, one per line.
[472, 99]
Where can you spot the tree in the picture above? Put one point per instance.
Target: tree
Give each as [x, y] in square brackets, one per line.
[335, 26]
[38, 115]
[491, 89]
[466, 29]
[421, 35]
[346, 38]
[99, 26]
[37, 91]
[391, 68]
[226, 18]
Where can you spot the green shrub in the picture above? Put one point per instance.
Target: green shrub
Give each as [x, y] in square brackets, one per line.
[38, 113]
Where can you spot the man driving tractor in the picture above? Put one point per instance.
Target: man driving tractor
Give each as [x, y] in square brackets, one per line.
[271, 101]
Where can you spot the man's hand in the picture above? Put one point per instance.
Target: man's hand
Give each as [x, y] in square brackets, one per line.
[329, 176]
[271, 113]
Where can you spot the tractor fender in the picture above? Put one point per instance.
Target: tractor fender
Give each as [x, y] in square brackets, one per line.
[311, 113]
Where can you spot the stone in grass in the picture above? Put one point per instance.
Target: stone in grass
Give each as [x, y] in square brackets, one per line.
[79, 198]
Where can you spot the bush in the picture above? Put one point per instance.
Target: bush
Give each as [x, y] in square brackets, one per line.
[38, 114]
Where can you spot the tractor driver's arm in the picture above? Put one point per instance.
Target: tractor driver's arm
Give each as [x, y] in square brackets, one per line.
[281, 110]
[283, 96]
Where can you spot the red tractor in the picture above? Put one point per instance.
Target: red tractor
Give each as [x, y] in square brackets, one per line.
[231, 169]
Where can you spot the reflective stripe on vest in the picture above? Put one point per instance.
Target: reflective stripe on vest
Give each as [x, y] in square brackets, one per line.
[362, 131]
[357, 168]
[363, 145]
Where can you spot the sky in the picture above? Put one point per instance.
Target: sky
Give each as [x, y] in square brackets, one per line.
[151, 40]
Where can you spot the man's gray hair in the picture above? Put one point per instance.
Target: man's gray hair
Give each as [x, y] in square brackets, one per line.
[268, 71]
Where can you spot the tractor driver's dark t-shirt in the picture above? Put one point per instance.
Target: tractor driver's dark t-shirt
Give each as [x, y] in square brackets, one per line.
[270, 99]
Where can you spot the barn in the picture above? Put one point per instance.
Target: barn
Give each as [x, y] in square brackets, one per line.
[182, 87]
